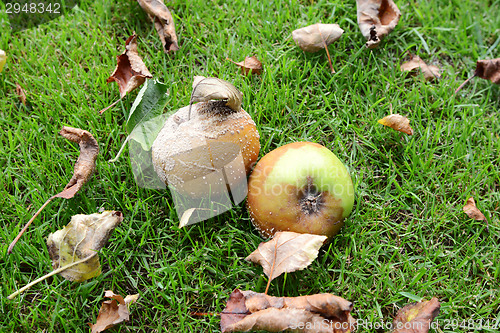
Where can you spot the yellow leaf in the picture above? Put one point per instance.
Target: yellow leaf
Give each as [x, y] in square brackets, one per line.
[81, 238]
[3, 59]
[397, 122]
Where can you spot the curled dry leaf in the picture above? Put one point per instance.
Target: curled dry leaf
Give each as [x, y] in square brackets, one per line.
[20, 94]
[82, 238]
[212, 88]
[485, 69]
[249, 311]
[163, 21]
[416, 317]
[376, 19]
[84, 168]
[397, 122]
[430, 72]
[85, 165]
[249, 65]
[130, 72]
[113, 312]
[286, 252]
[317, 36]
[473, 212]
[3, 59]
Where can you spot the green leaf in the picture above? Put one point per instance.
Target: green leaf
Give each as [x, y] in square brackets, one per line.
[149, 103]
[146, 117]
[146, 132]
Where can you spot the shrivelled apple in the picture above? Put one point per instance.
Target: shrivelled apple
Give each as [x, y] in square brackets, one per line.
[301, 187]
[200, 140]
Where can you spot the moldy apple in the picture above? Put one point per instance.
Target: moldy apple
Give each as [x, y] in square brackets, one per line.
[201, 139]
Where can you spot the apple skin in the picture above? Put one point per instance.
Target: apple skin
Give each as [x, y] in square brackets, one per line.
[301, 187]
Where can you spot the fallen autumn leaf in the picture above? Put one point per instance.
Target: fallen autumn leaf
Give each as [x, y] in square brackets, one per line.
[3, 59]
[397, 122]
[113, 312]
[84, 168]
[473, 212]
[286, 252]
[81, 238]
[74, 248]
[376, 19]
[485, 69]
[416, 317]
[130, 72]
[249, 65]
[430, 72]
[164, 23]
[248, 311]
[316, 37]
[20, 94]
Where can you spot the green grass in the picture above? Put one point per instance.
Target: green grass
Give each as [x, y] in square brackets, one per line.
[407, 234]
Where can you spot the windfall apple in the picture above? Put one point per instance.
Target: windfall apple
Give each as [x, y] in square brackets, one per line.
[301, 187]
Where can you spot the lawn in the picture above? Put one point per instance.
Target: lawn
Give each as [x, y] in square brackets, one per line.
[407, 237]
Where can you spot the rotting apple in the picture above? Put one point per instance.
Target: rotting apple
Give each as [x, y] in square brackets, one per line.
[202, 144]
[301, 187]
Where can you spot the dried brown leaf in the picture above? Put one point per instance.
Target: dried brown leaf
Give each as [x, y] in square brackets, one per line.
[81, 238]
[113, 312]
[248, 310]
[249, 65]
[489, 70]
[317, 36]
[416, 317]
[430, 72]
[235, 310]
[163, 21]
[84, 167]
[130, 72]
[473, 212]
[20, 94]
[286, 252]
[398, 123]
[485, 69]
[376, 19]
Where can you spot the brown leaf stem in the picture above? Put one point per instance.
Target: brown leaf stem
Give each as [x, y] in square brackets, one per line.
[327, 53]
[13, 243]
[84, 167]
[272, 267]
[464, 83]
[109, 107]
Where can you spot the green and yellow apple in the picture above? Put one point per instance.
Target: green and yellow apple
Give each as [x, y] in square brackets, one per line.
[301, 187]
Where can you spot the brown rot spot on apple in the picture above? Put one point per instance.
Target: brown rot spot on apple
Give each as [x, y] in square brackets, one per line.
[311, 200]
